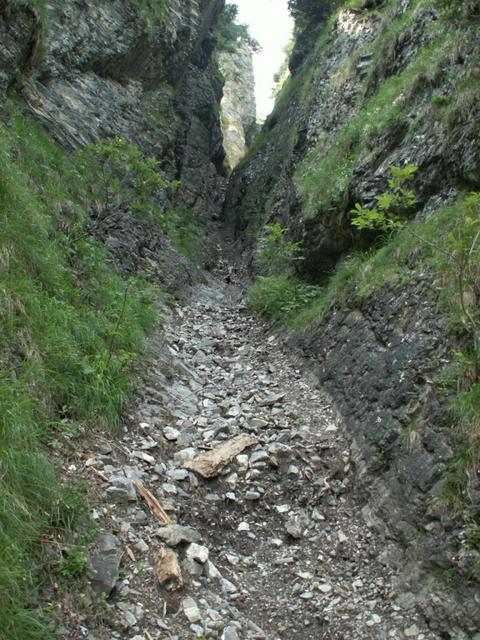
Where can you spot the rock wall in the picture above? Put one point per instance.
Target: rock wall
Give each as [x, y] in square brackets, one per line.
[238, 107]
[372, 88]
[332, 123]
[90, 70]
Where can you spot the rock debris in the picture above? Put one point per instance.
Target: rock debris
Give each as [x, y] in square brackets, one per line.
[272, 546]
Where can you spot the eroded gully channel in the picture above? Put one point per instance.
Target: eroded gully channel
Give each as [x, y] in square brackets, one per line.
[273, 544]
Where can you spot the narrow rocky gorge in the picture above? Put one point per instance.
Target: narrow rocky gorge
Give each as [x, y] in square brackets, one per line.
[264, 482]
[273, 545]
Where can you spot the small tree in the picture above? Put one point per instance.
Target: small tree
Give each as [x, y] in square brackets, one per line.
[276, 253]
[124, 174]
[392, 205]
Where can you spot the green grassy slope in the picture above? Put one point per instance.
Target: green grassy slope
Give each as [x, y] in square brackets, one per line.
[70, 328]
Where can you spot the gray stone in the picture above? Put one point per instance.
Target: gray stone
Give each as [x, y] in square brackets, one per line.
[177, 474]
[121, 490]
[230, 633]
[171, 433]
[191, 610]
[174, 534]
[197, 552]
[106, 563]
[293, 528]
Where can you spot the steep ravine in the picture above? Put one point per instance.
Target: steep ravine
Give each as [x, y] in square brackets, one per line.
[329, 519]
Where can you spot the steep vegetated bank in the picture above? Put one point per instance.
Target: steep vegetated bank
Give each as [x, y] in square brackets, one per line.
[381, 111]
[111, 158]
[71, 328]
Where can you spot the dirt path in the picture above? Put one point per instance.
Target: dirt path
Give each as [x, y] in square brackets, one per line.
[275, 547]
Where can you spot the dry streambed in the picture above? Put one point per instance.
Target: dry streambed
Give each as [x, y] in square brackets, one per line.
[228, 510]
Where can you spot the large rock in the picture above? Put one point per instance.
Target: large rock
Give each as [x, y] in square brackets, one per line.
[106, 563]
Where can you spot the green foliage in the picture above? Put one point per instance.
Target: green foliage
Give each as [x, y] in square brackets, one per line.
[460, 9]
[276, 253]
[440, 101]
[119, 174]
[183, 231]
[153, 11]
[74, 563]
[306, 12]
[281, 296]
[392, 205]
[229, 33]
[70, 328]
[126, 175]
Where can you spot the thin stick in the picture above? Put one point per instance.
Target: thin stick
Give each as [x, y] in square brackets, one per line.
[152, 502]
[98, 473]
[130, 554]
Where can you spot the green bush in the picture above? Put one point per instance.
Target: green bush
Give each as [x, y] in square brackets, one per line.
[281, 297]
[276, 253]
[120, 172]
[280, 294]
[392, 206]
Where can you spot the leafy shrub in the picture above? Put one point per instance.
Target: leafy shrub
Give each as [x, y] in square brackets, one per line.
[125, 175]
[74, 563]
[281, 296]
[392, 206]
[276, 253]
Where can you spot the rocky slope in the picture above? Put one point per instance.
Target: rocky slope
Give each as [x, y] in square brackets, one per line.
[380, 84]
[271, 544]
[238, 103]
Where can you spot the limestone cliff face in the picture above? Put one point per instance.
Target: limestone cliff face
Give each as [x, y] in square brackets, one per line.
[380, 85]
[90, 70]
[238, 108]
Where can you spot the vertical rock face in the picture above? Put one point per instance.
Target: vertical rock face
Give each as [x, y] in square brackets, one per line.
[138, 69]
[89, 70]
[238, 108]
